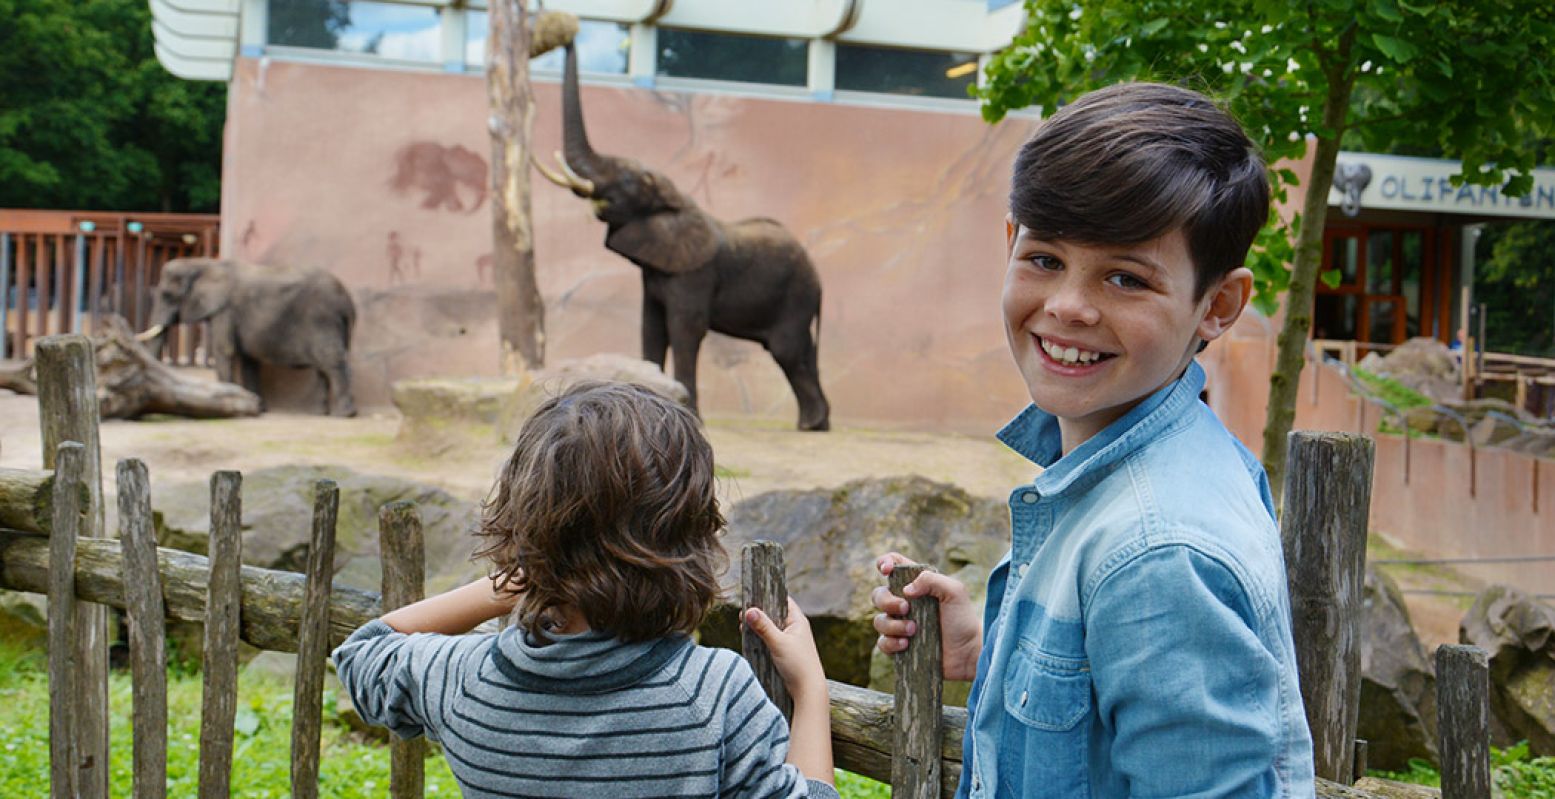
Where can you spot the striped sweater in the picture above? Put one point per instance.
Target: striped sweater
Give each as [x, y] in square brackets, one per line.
[582, 716]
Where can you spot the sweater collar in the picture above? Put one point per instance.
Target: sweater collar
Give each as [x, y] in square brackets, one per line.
[580, 663]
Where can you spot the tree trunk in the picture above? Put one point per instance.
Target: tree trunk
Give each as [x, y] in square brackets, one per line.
[1292, 343]
[520, 313]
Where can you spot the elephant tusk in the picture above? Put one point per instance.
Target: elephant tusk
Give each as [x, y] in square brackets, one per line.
[579, 182]
[549, 175]
[151, 333]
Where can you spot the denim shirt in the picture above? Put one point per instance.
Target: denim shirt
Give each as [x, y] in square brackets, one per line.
[1137, 637]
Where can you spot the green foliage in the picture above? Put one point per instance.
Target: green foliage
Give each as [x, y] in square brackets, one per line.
[852, 786]
[1391, 391]
[1515, 773]
[1515, 278]
[1430, 76]
[89, 119]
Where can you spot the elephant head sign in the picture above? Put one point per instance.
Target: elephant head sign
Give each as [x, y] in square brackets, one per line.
[749, 279]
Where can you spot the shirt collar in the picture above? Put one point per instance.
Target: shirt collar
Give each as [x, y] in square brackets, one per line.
[1035, 436]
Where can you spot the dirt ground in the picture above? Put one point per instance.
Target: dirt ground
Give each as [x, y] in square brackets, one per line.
[753, 455]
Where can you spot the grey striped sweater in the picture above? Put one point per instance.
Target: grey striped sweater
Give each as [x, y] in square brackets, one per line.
[583, 716]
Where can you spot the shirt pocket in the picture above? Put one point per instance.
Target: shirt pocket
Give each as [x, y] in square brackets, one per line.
[1047, 738]
[1046, 692]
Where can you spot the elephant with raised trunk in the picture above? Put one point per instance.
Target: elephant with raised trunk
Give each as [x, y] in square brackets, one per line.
[285, 316]
[749, 279]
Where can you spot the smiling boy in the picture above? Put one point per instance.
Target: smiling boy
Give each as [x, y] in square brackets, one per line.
[1136, 639]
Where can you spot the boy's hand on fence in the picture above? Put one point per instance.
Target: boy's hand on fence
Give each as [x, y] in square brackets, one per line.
[793, 649]
[960, 625]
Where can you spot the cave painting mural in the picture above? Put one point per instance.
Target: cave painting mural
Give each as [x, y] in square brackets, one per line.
[449, 178]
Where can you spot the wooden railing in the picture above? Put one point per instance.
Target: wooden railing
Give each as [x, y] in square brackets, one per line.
[51, 541]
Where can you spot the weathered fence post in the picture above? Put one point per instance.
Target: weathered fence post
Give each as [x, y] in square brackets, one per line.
[147, 623]
[916, 751]
[70, 503]
[1323, 531]
[67, 411]
[1360, 759]
[313, 644]
[404, 579]
[1463, 720]
[223, 607]
[764, 584]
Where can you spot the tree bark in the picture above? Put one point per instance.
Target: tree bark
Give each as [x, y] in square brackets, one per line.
[520, 312]
[1292, 343]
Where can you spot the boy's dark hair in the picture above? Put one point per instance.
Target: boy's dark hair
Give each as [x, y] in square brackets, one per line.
[607, 505]
[1134, 161]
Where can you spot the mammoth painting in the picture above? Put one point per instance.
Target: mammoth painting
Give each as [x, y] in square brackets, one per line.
[284, 316]
[749, 279]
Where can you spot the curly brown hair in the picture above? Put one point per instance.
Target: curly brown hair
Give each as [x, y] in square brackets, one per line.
[607, 505]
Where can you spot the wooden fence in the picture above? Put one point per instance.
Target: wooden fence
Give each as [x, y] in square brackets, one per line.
[52, 541]
[61, 271]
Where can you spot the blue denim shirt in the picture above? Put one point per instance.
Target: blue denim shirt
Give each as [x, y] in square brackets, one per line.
[1137, 637]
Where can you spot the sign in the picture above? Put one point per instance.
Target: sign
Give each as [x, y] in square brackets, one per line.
[1400, 183]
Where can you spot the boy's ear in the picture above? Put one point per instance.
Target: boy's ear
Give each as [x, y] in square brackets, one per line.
[1009, 235]
[1226, 301]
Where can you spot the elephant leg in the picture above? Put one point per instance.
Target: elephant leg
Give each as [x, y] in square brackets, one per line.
[656, 334]
[686, 333]
[795, 352]
[337, 382]
[248, 376]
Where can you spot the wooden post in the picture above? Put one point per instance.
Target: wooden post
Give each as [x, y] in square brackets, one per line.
[70, 503]
[764, 584]
[67, 411]
[5, 292]
[1463, 720]
[146, 620]
[1327, 501]
[313, 644]
[915, 763]
[1360, 759]
[223, 604]
[404, 580]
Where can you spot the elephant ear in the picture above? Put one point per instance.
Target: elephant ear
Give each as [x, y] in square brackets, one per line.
[669, 241]
[209, 292]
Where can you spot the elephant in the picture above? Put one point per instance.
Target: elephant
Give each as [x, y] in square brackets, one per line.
[750, 279]
[1350, 180]
[285, 316]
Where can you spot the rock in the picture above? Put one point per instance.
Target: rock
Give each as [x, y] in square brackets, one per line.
[1519, 633]
[24, 619]
[1398, 689]
[1536, 441]
[277, 523]
[1493, 429]
[1423, 364]
[560, 376]
[443, 415]
[831, 538]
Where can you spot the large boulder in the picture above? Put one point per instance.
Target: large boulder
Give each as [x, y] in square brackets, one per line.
[1519, 633]
[277, 523]
[609, 367]
[1398, 689]
[831, 538]
[442, 415]
[1423, 364]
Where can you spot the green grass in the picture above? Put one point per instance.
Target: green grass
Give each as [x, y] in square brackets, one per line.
[1516, 773]
[351, 766]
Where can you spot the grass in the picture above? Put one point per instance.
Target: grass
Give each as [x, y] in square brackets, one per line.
[351, 766]
[1515, 772]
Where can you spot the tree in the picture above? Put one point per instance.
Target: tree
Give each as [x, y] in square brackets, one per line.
[89, 118]
[1515, 279]
[1469, 78]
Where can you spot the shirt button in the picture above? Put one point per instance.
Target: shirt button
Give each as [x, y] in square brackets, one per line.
[1029, 497]
[1022, 698]
[1020, 571]
[977, 783]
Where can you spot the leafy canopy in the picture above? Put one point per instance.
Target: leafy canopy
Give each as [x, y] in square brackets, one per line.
[1468, 79]
[89, 119]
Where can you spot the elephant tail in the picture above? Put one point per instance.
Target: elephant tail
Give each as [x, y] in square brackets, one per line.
[816, 327]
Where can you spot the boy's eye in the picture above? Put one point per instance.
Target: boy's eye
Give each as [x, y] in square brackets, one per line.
[1124, 280]
[1046, 263]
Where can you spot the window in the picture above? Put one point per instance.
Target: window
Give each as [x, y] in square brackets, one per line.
[405, 32]
[602, 46]
[896, 71]
[723, 56]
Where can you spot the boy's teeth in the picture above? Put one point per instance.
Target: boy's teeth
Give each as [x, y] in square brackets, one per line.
[1069, 354]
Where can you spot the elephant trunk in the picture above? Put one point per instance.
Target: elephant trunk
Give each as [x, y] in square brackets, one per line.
[580, 156]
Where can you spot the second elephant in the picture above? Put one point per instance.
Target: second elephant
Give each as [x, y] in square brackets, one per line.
[749, 279]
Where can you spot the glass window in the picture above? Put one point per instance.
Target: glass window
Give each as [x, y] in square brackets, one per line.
[896, 71]
[1379, 262]
[1383, 315]
[391, 30]
[724, 56]
[1333, 316]
[1413, 264]
[602, 46]
[1344, 256]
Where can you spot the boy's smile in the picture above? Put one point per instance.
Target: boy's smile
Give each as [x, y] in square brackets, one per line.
[1094, 329]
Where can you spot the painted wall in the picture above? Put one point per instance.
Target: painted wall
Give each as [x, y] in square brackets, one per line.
[378, 176]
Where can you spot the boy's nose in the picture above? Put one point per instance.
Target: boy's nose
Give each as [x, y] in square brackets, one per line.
[1069, 305]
